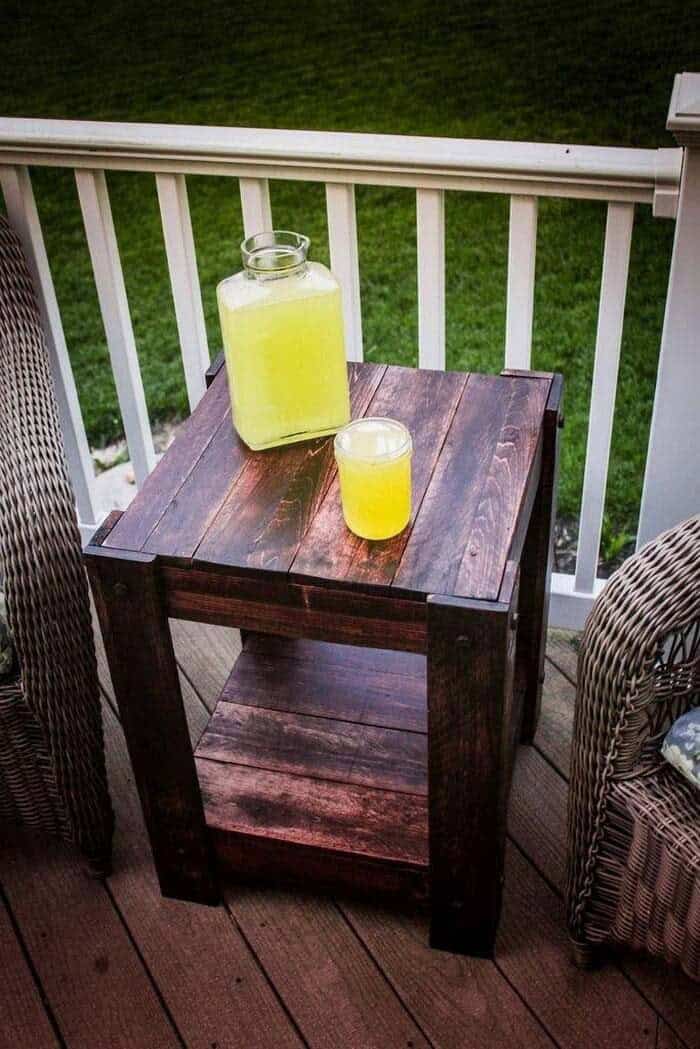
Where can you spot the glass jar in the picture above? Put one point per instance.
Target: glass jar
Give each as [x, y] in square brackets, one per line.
[282, 327]
[374, 468]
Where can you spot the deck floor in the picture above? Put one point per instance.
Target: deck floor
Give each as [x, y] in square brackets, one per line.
[93, 965]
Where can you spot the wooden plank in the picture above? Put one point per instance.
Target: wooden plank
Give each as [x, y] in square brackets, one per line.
[314, 814]
[327, 980]
[114, 306]
[459, 1002]
[24, 218]
[187, 948]
[256, 602]
[611, 312]
[209, 650]
[94, 981]
[425, 402]
[317, 747]
[23, 1019]
[128, 598]
[536, 568]
[522, 247]
[184, 281]
[262, 520]
[562, 651]
[532, 951]
[430, 236]
[476, 490]
[553, 736]
[471, 649]
[161, 488]
[197, 501]
[666, 1039]
[332, 681]
[345, 261]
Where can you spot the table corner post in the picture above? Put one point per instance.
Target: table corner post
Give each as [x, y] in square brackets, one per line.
[469, 672]
[536, 566]
[128, 591]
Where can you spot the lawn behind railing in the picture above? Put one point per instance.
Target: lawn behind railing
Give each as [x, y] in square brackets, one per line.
[521, 74]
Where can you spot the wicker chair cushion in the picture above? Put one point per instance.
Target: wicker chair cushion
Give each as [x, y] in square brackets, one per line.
[681, 747]
[7, 651]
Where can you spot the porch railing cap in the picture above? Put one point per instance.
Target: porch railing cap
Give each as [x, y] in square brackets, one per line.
[684, 110]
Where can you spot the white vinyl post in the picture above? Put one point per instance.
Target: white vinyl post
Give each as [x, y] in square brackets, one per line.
[611, 313]
[672, 477]
[522, 248]
[345, 261]
[109, 281]
[24, 219]
[184, 281]
[255, 202]
[430, 226]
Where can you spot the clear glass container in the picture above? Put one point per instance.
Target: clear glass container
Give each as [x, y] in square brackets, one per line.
[282, 327]
[374, 468]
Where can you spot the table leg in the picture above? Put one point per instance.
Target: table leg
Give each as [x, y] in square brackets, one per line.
[470, 689]
[127, 593]
[536, 571]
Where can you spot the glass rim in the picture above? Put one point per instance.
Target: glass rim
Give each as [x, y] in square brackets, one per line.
[406, 445]
[288, 247]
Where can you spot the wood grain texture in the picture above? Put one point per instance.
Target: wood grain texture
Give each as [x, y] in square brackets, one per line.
[23, 1019]
[129, 602]
[363, 685]
[239, 1007]
[470, 684]
[272, 605]
[96, 985]
[476, 490]
[337, 995]
[425, 403]
[314, 813]
[460, 1003]
[266, 513]
[536, 566]
[318, 747]
[162, 486]
[202, 492]
[532, 950]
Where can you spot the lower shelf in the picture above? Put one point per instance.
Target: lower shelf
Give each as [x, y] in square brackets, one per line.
[313, 768]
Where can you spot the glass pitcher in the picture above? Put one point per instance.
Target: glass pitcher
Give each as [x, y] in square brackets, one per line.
[282, 327]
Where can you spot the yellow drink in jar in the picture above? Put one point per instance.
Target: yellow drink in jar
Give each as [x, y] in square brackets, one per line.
[282, 329]
[374, 469]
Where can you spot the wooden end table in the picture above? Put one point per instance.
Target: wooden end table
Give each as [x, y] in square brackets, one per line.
[365, 738]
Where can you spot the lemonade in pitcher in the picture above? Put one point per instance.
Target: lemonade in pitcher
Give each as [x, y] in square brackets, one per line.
[282, 327]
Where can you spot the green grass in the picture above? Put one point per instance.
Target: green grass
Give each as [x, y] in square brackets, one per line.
[599, 74]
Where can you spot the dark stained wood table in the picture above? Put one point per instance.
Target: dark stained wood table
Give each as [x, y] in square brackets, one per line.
[365, 739]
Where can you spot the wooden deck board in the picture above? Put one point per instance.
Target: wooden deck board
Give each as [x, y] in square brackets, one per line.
[23, 1018]
[125, 967]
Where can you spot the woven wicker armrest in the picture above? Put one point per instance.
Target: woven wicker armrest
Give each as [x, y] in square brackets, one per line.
[639, 669]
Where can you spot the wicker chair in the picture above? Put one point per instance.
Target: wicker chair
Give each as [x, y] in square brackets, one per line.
[634, 821]
[52, 767]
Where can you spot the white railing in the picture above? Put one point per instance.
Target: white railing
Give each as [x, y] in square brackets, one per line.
[525, 171]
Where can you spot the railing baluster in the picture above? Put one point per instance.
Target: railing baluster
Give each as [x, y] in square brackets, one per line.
[430, 226]
[109, 280]
[522, 246]
[24, 219]
[618, 240]
[255, 201]
[345, 260]
[184, 281]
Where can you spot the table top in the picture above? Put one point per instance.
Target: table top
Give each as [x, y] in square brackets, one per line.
[211, 501]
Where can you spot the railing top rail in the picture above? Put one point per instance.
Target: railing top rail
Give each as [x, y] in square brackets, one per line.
[345, 155]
